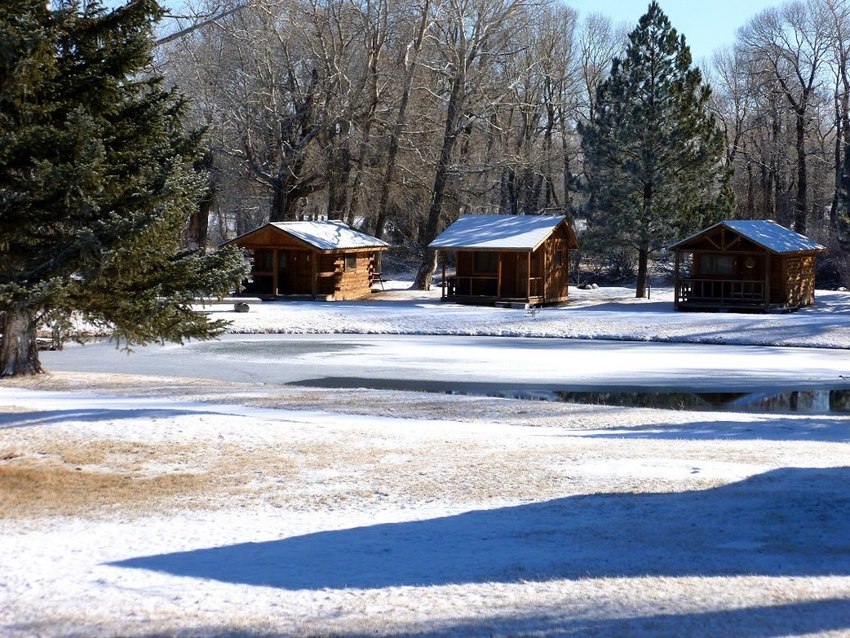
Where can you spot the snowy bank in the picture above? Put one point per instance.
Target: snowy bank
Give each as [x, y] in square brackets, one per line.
[458, 516]
[604, 313]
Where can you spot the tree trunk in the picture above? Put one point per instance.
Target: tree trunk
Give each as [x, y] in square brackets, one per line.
[547, 154]
[767, 193]
[441, 178]
[843, 213]
[18, 348]
[643, 270]
[428, 263]
[643, 249]
[375, 46]
[751, 200]
[426, 271]
[279, 204]
[800, 209]
[339, 172]
[199, 222]
[401, 120]
[284, 202]
[773, 197]
[357, 180]
[839, 166]
[566, 171]
[504, 192]
[842, 148]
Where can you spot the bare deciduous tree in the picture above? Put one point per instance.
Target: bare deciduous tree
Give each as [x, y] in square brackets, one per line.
[470, 35]
[790, 44]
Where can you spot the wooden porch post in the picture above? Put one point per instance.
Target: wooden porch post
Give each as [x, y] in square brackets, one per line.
[676, 282]
[499, 278]
[528, 277]
[545, 272]
[314, 274]
[766, 281]
[443, 260]
[276, 269]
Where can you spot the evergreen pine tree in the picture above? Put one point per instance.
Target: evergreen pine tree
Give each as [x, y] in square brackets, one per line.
[652, 150]
[96, 182]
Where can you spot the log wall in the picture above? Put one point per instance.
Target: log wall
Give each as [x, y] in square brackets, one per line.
[556, 274]
[354, 283]
[799, 278]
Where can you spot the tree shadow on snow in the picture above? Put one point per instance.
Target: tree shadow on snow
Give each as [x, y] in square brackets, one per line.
[92, 415]
[768, 621]
[665, 307]
[754, 622]
[768, 331]
[789, 522]
[801, 428]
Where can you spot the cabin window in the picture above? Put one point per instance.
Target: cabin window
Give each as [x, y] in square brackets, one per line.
[716, 264]
[560, 258]
[263, 260]
[485, 262]
[351, 262]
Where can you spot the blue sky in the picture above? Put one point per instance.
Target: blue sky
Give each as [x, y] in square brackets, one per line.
[707, 24]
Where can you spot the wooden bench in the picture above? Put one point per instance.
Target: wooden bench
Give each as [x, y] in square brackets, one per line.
[213, 301]
[377, 278]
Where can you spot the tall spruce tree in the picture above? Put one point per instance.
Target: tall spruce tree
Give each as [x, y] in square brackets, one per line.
[652, 149]
[96, 182]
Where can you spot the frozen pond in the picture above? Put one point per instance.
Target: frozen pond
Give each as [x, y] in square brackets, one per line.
[580, 370]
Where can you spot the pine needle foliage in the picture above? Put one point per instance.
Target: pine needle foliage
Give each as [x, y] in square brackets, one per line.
[653, 151]
[96, 182]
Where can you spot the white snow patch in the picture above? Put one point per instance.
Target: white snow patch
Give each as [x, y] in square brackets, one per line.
[603, 313]
[595, 521]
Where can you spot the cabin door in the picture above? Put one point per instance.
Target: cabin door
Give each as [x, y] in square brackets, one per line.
[299, 272]
[514, 275]
[522, 275]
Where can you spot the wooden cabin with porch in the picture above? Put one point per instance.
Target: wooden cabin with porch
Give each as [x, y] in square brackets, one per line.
[507, 259]
[314, 260]
[746, 266]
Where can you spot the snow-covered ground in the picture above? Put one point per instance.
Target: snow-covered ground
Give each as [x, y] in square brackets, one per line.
[603, 313]
[149, 506]
[483, 365]
[216, 509]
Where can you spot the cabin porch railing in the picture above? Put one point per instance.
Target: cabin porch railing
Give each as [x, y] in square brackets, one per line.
[487, 286]
[727, 292]
[472, 286]
[535, 287]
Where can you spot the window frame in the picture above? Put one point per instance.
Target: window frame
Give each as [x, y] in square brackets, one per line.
[716, 264]
[492, 259]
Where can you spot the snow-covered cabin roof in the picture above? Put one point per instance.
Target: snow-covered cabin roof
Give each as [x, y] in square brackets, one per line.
[330, 235]
[765, 233]
[498, 232]
[325, 235]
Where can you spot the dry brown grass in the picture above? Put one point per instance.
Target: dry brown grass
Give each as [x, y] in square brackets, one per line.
[31, 490]
[43, 472]
[41, 477]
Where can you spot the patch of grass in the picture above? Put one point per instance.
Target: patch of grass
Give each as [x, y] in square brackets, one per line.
[49, 490]
[101, 476]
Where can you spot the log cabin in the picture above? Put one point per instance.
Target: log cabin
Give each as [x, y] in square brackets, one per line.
[313, 259]
[507, 259]
[751, 265]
